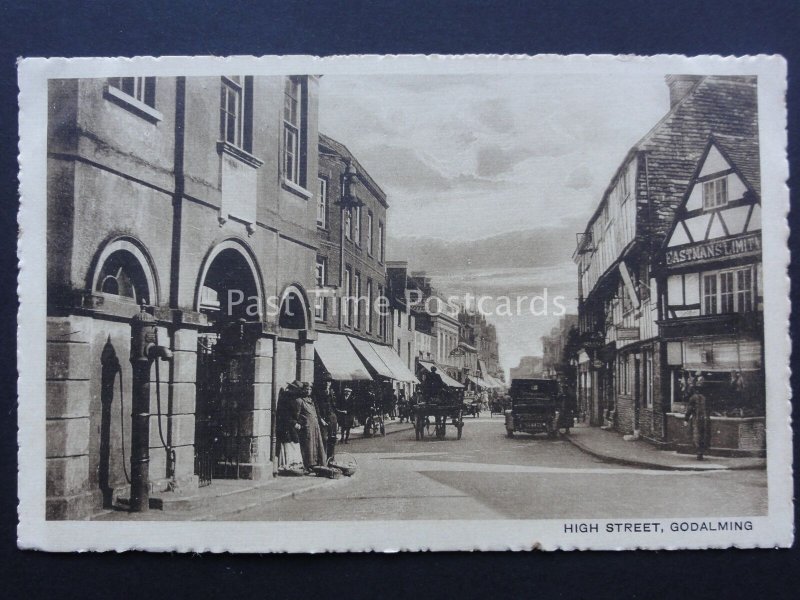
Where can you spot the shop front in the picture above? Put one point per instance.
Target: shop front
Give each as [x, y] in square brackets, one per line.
[712, 322]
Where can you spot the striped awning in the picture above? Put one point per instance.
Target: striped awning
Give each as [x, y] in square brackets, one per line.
[370, 356]
[339, 358]
[395, 363]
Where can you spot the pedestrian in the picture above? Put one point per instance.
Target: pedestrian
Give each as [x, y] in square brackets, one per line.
[290, 458]
[306, 421]
[325, 400]
[344, 414]
[393, 407]
[698, 414]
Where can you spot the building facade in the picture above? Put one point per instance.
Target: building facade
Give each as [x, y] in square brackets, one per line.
[710, 274]
[191, 199]
[482, 335]
[624, 373]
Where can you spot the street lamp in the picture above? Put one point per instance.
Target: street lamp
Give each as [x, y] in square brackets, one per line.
[346, 202]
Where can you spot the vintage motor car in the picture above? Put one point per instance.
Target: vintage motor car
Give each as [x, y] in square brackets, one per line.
[535, 407]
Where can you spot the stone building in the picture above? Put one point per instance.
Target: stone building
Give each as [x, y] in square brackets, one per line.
[624, 370]
[193, 197]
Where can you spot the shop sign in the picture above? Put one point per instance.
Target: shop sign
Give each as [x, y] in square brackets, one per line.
[715, 249]
[628, 333]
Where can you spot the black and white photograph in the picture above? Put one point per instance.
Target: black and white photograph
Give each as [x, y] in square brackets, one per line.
[414, 303]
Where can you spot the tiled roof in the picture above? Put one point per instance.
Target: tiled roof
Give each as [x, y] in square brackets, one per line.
[722, 106]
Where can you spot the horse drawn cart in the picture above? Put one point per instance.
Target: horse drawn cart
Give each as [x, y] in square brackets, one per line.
[436, 411]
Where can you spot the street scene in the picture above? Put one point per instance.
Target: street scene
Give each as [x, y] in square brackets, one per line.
[485, 475]
[405, 297]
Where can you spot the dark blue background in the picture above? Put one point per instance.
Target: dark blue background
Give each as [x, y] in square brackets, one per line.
[231, 27]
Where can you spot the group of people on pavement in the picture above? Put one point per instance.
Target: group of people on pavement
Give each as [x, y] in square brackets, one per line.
[310, 420]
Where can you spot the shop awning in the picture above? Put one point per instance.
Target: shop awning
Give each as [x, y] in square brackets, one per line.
[482, 368]
[395, 363]
[368, 354]
[478, 381]
[496, 382]
[339, 358]
[446, 379]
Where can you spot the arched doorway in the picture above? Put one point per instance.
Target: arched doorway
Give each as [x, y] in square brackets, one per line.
[229, 294]
[293, 351]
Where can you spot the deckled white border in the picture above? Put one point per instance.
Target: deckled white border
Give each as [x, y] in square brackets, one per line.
[777, 529]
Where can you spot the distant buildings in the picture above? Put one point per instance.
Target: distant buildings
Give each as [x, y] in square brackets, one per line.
[553, 345]
[529, 366]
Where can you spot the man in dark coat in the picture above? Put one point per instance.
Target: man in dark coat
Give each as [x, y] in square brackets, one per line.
[325, 399]
[698, 413]
[434, 386]
[305, 416]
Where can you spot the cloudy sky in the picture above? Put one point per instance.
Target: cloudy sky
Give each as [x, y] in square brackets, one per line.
[489, 178]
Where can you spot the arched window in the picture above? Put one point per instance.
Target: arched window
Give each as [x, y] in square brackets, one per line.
[121, 274]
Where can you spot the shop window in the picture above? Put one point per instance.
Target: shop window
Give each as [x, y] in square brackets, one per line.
[122, 275]
[715, 193]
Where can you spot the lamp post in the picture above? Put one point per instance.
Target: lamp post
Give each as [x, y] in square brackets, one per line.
[347, 201]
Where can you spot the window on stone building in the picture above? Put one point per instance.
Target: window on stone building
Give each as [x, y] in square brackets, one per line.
[370, 248]
[357, 300]
[231, 111]
[322, 203]
[369, 306]
[357, 225]
[321, 277]
[715, 192]
[381, 243]
[348, 224]
[293, 130]
[348, 296]
[122, 275]
[142, 89]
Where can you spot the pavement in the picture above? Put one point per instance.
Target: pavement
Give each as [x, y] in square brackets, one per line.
[227, 497]
[609, 446]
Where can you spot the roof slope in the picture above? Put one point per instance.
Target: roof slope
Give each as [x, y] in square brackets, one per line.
[722, 106]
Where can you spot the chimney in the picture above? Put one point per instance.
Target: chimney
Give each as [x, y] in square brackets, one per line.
[679, 86]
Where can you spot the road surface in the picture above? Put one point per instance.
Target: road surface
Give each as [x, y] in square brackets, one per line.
[486, 475]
